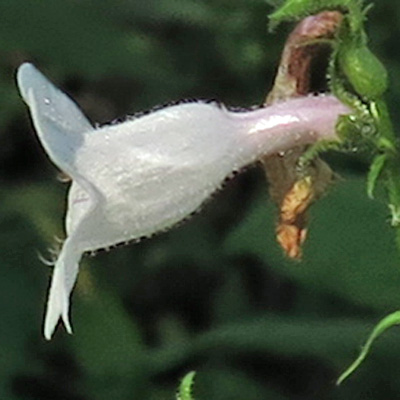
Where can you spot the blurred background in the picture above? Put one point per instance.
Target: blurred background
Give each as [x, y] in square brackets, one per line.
[215, 294]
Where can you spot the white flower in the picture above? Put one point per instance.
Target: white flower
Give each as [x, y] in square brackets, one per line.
[143, 175]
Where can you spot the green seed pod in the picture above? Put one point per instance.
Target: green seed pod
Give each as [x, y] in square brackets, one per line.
[364, 71]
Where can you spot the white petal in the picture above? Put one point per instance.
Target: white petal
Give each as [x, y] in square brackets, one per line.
[61, 128]
[58, 121]
[63, 279]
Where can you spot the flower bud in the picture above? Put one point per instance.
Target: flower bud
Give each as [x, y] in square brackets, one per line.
[364, 71]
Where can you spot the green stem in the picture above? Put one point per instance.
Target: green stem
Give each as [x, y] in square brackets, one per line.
[381, 327]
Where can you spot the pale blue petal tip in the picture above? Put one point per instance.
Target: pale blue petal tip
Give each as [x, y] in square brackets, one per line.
[27, 75]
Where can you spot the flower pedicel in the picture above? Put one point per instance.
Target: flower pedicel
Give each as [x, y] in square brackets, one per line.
[141, 176]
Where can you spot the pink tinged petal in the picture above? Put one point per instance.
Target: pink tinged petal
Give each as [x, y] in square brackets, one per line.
[141, 176]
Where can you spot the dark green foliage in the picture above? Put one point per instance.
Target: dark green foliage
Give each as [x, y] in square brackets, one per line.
[214, 295]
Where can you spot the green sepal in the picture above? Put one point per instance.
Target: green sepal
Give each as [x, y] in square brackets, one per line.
[316, 149]
[381, 327]
[357, 132]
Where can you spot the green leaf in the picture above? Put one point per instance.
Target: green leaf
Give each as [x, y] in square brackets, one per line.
[374, 173]
[298, 9]
[383, 325]
[186, 386]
